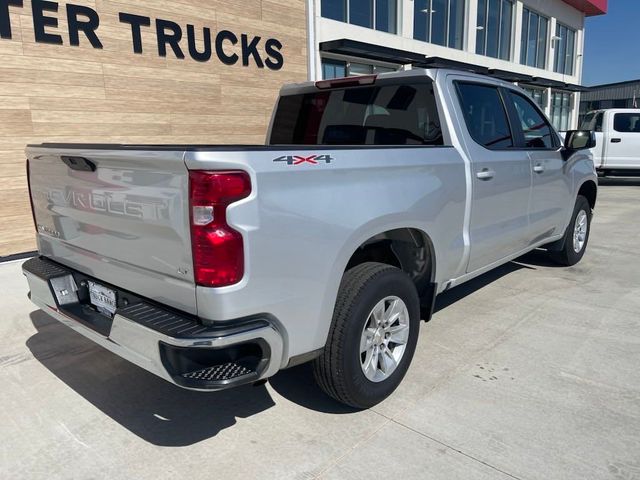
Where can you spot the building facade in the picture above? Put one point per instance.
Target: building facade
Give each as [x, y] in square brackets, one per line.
[209, 71]
[535, 43]
[149, 71]
[611, 95]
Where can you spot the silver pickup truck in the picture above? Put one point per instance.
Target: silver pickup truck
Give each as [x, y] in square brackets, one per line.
[215, 266]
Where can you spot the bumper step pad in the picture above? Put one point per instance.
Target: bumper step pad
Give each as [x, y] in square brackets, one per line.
[227, 371]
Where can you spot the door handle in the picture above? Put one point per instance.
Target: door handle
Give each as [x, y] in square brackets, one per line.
[485, 174]
[538, 168]
[616, 140]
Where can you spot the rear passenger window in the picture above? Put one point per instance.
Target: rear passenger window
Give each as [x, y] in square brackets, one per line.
[537, 131]
[485, 115]
[403, 114]
[626, 122]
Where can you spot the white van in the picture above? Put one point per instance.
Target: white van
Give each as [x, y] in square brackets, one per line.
[617, 150]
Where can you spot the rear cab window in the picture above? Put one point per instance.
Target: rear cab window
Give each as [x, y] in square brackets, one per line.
[399, 113]
[626, 122]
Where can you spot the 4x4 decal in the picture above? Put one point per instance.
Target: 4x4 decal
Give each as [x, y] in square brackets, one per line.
[300, 159]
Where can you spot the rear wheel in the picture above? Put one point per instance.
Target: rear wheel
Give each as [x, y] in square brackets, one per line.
[576, 236]
[373, 335]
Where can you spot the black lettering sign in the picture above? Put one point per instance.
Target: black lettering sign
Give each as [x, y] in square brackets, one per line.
[220, 38]
[205, 55]
[136, 21]
[40, 21]
[170, 35]
[275, 60]
[250, 49]
[88, 26]
[171, 38]
[5, 20]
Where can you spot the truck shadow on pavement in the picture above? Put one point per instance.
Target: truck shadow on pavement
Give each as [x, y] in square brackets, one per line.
[144, 404]
[165, 415]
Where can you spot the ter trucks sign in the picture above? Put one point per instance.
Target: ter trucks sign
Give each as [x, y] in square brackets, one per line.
[86, 21]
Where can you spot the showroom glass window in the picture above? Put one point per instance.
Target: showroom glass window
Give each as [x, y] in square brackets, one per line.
[339, 68]
[494, 27]
[561, 110]
[538, 95]
[379, 14]
[565, 43]
[440, 22]
[535, 30]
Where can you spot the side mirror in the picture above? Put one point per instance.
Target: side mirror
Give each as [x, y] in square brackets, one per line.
[579, 140]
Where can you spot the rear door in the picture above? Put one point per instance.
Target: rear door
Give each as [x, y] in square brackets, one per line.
[551, 188]
[501, 176]
[623, 147]
[120, 215]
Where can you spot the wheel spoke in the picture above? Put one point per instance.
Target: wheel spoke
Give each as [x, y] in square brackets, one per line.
[399, 334]
[366, 340]
[394, 311]
[387, 362]
[371, 362]
[377, 316]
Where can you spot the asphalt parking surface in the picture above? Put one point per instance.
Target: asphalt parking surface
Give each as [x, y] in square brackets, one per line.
[531, 371]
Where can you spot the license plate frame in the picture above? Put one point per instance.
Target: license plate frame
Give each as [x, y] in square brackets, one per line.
[103, 298]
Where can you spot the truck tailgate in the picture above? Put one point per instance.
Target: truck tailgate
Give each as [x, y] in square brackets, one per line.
[118, 215]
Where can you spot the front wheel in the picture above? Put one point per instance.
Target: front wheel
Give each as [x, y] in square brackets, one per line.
[373, 335]
[576, 236]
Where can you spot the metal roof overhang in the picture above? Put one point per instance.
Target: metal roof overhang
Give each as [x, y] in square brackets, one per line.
[371, 52]
[379, 53]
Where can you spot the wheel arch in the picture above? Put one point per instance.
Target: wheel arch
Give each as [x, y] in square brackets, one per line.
[589, 190]
[407, 248]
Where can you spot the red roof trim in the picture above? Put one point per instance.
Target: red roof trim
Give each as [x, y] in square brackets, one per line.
[589, 7]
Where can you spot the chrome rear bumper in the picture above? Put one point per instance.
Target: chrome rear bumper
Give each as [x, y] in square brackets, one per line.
[174, 347]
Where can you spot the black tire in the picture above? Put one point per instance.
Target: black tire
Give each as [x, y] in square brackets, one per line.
[568, 255]
[338, 370]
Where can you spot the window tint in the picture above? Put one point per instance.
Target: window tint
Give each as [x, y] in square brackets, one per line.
[593, 121]
[371, 115]
[626, 122]
[536, 129]
[485, 115]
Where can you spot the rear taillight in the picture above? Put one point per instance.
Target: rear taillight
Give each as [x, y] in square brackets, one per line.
[218, 250]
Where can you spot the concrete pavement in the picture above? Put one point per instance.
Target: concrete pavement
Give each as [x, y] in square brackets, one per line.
[529, 372]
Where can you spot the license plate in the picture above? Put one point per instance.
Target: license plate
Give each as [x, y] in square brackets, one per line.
[103, 298]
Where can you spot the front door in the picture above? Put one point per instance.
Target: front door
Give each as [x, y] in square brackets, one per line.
[501, 176]
[551, 188]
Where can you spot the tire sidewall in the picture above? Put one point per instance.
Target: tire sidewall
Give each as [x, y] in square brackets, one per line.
[392, 282]
[573, 256]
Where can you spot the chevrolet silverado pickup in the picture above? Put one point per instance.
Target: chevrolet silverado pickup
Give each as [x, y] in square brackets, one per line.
[215, 266]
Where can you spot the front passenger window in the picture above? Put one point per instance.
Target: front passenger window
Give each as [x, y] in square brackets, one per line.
[536, 129]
